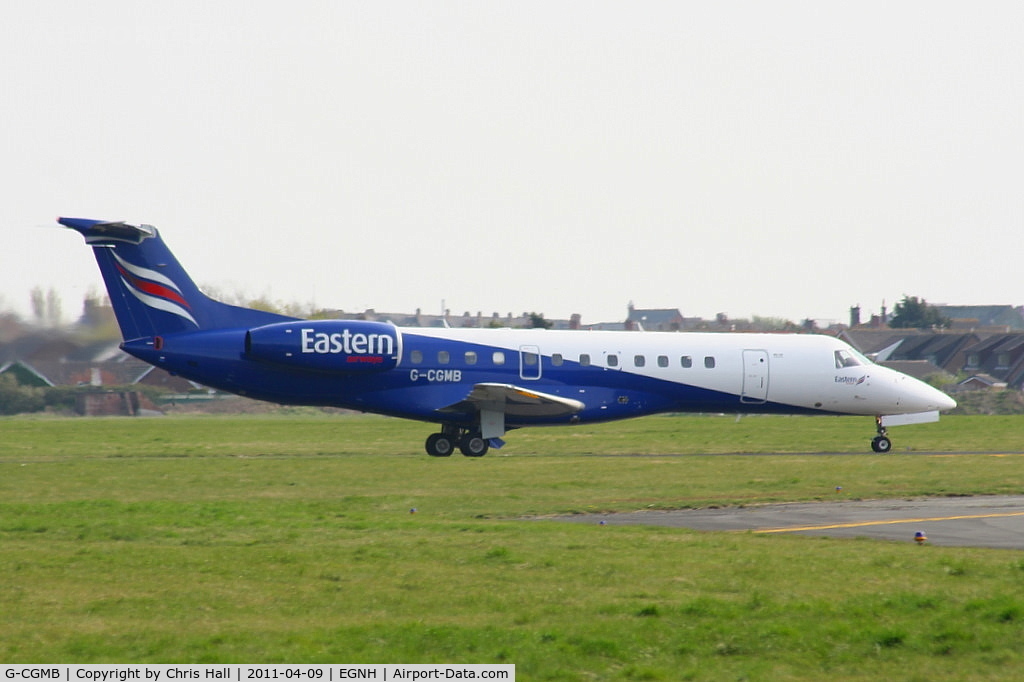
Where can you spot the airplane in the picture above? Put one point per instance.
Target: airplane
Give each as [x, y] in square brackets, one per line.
[478, 384]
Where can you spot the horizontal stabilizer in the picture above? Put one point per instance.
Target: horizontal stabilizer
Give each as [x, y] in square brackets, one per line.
[96, 230]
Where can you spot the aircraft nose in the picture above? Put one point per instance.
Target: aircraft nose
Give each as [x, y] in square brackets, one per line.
[945, 402]
[925, 398]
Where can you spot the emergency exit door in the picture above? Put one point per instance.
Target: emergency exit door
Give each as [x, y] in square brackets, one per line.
[529, 362]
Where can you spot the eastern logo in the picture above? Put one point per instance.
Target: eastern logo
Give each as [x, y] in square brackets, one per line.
[359, 346]
[851, 381]
[153, 289]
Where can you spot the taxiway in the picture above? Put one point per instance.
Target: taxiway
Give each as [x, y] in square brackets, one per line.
[982, 521]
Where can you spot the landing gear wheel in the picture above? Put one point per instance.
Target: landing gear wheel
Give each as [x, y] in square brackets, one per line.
[440, 445]
[473, 445]
[881, 442]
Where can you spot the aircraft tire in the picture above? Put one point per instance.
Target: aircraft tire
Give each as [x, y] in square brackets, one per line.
[881, 444]
[440, 445]
[473, 445]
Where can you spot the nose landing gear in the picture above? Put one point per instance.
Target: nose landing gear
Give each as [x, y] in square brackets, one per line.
[881, 442]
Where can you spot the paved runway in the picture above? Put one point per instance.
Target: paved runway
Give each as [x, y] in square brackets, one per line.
[983, 521]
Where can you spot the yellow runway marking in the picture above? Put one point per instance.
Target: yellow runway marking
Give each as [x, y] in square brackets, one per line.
[796, 529]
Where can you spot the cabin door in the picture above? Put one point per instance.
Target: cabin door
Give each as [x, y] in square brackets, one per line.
[755, 376]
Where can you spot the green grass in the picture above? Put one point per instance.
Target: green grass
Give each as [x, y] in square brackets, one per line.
[290, 539]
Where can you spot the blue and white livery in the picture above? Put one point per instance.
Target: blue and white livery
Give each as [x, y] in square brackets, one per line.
[477, 384]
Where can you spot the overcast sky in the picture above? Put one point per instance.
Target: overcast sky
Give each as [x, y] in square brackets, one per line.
[783, 159]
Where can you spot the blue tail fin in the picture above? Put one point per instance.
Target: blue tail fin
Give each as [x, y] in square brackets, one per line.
[150, 292]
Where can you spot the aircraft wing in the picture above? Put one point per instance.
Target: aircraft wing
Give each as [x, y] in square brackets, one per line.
[514, 401]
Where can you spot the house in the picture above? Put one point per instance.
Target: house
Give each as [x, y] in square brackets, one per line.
[1001, 356]
[111, 403]
[994, 358]
[654, 319]
[467, 319]
[980, 382]
[919, 369]
[996, 318]
[945, 350]
[49, 358]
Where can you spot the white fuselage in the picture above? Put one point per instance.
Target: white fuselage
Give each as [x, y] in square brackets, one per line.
[804, 371]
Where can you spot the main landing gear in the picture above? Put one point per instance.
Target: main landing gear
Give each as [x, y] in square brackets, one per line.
[881, 442]
[443, 444]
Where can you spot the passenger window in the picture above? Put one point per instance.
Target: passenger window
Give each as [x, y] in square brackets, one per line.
[639, 361]
[662, 361]
[498, 357]
[470, 357]
[613, 360]
[529, 359]
[686, 361]
[443, 357]
[709, 361]
[416, 357]
[556, 360]
[584, 360]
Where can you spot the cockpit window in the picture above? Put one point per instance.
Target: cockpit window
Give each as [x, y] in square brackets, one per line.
[846, 358]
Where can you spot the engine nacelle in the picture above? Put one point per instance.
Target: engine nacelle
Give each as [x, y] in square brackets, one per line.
[326, 345]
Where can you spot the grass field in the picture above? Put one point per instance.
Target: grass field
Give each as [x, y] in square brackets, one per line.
[292, 539]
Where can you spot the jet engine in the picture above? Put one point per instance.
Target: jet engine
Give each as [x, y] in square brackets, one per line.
[326, 345]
